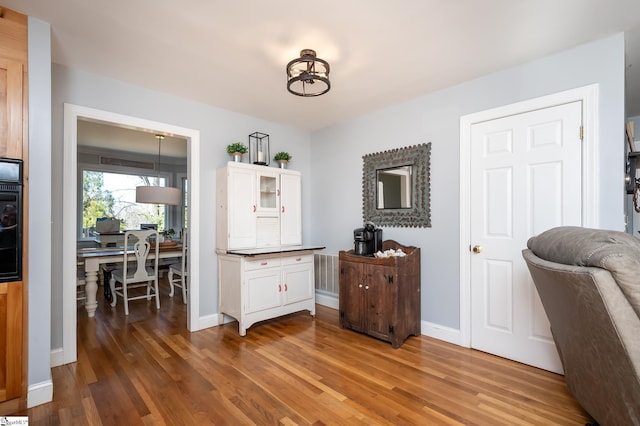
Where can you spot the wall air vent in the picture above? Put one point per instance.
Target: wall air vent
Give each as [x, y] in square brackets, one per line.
[122, 162]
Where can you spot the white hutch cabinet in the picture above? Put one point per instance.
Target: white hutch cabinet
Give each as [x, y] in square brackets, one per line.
[264, 271]
[257, 206]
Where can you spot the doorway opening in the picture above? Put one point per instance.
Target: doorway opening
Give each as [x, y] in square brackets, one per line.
[71, 197]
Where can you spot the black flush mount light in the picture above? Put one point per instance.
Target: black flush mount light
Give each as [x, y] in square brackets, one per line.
[308, 75]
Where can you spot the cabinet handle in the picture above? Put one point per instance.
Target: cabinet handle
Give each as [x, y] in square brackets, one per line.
[298, 259]
[285, 287]
[264, 263]
[278, 192]
[279, 288]
[282, 209]
[254, 208]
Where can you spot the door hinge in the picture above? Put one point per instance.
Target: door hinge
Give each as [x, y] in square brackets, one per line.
[582, 133]
[390, 279]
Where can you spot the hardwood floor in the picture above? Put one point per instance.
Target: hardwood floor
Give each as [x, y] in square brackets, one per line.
[148, 369]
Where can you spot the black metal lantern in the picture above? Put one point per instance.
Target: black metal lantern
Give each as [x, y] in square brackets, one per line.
[259, 148]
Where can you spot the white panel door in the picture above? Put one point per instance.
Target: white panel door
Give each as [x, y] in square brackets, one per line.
[525, 178]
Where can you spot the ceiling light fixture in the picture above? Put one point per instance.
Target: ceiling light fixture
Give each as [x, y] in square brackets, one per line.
[158, 194]
[308, 75]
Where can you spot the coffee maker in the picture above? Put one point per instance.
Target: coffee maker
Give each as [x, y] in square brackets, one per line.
[367, 240]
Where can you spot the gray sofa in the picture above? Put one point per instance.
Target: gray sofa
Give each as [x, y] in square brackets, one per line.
[589, 284]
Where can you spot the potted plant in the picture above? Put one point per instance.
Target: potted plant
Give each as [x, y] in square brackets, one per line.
[282, 158]
[236, 150]
[167, 234]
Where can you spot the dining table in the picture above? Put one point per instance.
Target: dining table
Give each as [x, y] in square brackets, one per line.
[93, 258]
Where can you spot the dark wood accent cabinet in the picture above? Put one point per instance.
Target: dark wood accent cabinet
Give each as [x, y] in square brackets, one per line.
[381, 296]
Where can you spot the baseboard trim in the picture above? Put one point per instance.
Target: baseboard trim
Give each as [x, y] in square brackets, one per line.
[40, 393]
[57, 357]
[206, 321]
[441, 332]
[327, 299]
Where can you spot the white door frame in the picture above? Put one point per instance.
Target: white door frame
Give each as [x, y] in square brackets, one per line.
[590, 195]
[69, 213]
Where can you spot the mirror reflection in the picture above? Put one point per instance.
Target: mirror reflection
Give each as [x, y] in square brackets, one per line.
[394, 188]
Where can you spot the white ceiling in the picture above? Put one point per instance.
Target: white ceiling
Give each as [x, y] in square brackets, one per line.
[232, 54]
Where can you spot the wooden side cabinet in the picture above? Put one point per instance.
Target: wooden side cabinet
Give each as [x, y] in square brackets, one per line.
[10, 340]
[381, 297]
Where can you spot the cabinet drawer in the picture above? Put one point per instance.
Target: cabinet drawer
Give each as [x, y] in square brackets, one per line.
[295, 260]
[252, 265]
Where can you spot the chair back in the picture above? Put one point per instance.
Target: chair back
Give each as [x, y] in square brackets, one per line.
[139, 244]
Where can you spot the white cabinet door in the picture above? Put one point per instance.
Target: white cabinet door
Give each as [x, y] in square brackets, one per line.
[290, 209]
[241, 193]
[268, 190]
[297, 278]
[263, 290]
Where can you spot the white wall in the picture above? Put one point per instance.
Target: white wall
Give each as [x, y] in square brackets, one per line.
[217, 128]
[337, 197]
[39, 258]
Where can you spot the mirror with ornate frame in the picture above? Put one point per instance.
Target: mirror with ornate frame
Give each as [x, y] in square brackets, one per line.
[396, 187]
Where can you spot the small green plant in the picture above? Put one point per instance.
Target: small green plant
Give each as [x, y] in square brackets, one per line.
[237, 147]
[282, 156]
[168, 233]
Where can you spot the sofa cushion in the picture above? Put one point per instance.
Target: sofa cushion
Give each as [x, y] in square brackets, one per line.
[617, 252]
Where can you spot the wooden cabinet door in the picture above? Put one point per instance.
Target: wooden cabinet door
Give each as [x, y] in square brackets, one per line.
[352, 296]
[380, 300]
[11, 108]
[10, 340]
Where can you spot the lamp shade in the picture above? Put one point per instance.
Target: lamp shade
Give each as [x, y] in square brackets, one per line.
[158, 195]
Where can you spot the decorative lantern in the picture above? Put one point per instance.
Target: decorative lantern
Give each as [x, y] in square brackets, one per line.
[259, 148]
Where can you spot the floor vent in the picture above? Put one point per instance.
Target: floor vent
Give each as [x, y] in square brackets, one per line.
[326, 270]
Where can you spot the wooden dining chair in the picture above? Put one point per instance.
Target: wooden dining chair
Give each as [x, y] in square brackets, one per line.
[138, 270]
[178, 271]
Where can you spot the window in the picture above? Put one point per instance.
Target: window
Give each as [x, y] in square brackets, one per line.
[185, 198]
[106, 194]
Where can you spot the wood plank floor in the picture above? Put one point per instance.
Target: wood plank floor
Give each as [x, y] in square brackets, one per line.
[147, 369]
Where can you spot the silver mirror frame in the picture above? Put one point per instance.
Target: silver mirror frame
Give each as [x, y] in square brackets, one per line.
[419, 215]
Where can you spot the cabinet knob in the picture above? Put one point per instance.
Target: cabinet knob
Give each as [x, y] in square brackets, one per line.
[360, 285]
[366, 287]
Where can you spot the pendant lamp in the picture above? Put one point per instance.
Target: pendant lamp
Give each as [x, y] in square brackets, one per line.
[158, 194]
